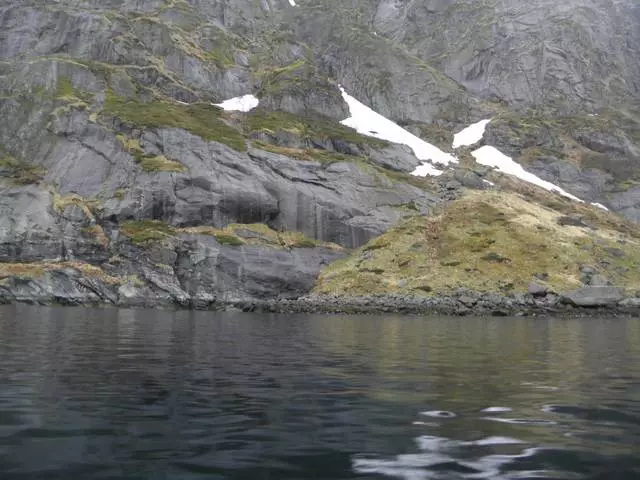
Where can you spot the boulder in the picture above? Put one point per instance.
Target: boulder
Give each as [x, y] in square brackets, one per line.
[593, 296]
[537, 290]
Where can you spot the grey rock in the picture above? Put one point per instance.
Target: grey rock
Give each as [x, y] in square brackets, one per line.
[599, 281]
[593, 296]
[630, 302]
[537, 290]
[29, 231]
[616, 252]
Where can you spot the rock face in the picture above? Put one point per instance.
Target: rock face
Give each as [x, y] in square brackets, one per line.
[106, 123]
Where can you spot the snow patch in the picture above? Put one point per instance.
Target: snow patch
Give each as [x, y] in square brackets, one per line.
[492, 157]
[239, 104]
[292, 3]
[470, 135]
[367, 122]
[599, 205]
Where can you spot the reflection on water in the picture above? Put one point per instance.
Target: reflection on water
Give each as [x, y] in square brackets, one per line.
[121, 394]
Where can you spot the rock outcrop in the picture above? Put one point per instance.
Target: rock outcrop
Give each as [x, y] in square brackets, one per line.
[120, 182]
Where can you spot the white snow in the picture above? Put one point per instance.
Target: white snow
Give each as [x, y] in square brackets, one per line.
[292, 3]
[239, 104]
[492, 157]
[367, 122]
[599, 205]
[470, 135]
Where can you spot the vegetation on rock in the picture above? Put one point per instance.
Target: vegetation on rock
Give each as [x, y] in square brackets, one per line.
[201, 119]
[489, 241]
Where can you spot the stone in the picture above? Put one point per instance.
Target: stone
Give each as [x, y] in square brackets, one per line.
[588, 270]
[616, 252]
[599, 281]
[467, 300]
[537, 290]
[571, 221]
[593, 296]
[630, 302]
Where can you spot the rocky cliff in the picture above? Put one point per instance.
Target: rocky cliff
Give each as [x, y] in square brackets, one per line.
[123, 183]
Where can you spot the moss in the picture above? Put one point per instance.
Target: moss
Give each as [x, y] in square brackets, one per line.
[200, 119]
[61, 202]
[429, 184]
[67, 92]
[160, 163]
[259, 234]
[271, 122]
[227, 239]
[143, 231]
[486, 241]
[65, 88]
[119, 193]
[149, 163]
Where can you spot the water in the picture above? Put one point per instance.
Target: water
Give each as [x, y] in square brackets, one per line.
[120, 394]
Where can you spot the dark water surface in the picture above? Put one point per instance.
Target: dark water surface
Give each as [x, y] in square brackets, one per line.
[121, 394]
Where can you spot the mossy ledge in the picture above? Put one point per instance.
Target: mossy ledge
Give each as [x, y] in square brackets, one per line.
[39, 269]
[259, 234]
[200, 119]
[316, 128]
[487, 242]
[141, 232]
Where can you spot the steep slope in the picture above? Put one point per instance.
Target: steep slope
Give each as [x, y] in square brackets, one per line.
[123, 180]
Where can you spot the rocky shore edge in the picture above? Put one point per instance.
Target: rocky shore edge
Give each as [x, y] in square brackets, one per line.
[586, 301]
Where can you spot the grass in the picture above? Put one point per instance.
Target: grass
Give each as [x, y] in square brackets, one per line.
[487, 241]
[38, 269]
[200, 119]
[66, 92]
[228, 239]
[160, 163]
[261, 120]
[141, 232]
[307, 154]
[149, 163]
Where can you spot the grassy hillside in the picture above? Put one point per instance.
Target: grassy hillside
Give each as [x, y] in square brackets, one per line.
[495, 241]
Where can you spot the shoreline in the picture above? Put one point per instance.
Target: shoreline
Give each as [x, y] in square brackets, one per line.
[460, 305]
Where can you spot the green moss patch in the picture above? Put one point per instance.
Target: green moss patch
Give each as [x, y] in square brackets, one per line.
[487, 241]
[200, 119]
[143, 231]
